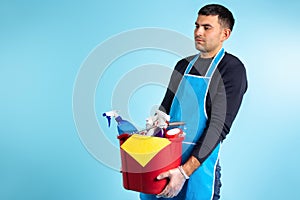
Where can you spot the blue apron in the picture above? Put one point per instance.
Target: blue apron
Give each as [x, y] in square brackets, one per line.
[189, 106]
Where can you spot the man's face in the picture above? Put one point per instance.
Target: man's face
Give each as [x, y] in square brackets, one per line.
[209, 35]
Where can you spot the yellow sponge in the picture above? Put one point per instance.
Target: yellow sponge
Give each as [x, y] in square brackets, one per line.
[144, 148]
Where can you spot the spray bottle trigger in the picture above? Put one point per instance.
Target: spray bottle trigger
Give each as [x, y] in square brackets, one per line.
[108, 118]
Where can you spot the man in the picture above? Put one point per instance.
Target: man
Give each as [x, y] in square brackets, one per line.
[205, 91]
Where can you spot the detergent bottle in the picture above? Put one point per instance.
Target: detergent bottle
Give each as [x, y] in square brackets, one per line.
[123, 126]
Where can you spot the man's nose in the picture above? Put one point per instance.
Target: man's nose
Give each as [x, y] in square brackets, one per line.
[199, 31]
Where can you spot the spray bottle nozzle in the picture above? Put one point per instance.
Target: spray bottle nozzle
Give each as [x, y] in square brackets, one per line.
[110, 114]
[108, 118]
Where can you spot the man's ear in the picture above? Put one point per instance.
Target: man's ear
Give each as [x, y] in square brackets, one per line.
[226, 34]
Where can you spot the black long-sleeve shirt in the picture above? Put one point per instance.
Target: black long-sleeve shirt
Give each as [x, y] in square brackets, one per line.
[226, 90]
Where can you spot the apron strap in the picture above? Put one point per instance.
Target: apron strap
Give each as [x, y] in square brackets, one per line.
[213, 64]
[191, 64]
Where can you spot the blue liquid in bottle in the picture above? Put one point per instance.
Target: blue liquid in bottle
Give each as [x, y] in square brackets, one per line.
[125, 126]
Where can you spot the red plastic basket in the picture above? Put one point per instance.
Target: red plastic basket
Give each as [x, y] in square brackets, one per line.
[143, 179]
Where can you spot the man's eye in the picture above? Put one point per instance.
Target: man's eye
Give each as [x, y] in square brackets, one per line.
[206, 27]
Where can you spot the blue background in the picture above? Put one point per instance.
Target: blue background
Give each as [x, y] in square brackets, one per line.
[42, 46]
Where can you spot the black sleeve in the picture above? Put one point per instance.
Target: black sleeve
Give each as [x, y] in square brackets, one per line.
[231, 84]
[173, 85]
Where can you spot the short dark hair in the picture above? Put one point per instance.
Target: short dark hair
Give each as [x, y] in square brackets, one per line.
[224, 15]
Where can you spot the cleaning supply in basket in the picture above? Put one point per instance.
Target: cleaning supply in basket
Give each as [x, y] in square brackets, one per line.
[156, 124]
[174, 133]
[123, 126]
[159, 132]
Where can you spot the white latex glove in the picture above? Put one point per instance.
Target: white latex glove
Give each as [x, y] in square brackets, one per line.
[175, 184]
[162, 119]
[151, 123]
[159, 120]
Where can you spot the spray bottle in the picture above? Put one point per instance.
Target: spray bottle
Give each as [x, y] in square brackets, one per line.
[123, 126]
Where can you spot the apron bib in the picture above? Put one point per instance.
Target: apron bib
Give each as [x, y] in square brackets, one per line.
[189, 106]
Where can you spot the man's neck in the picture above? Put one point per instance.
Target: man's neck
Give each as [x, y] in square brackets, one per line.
[210, 54]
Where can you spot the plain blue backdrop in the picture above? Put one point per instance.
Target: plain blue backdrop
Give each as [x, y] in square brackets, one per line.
[42, 47]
